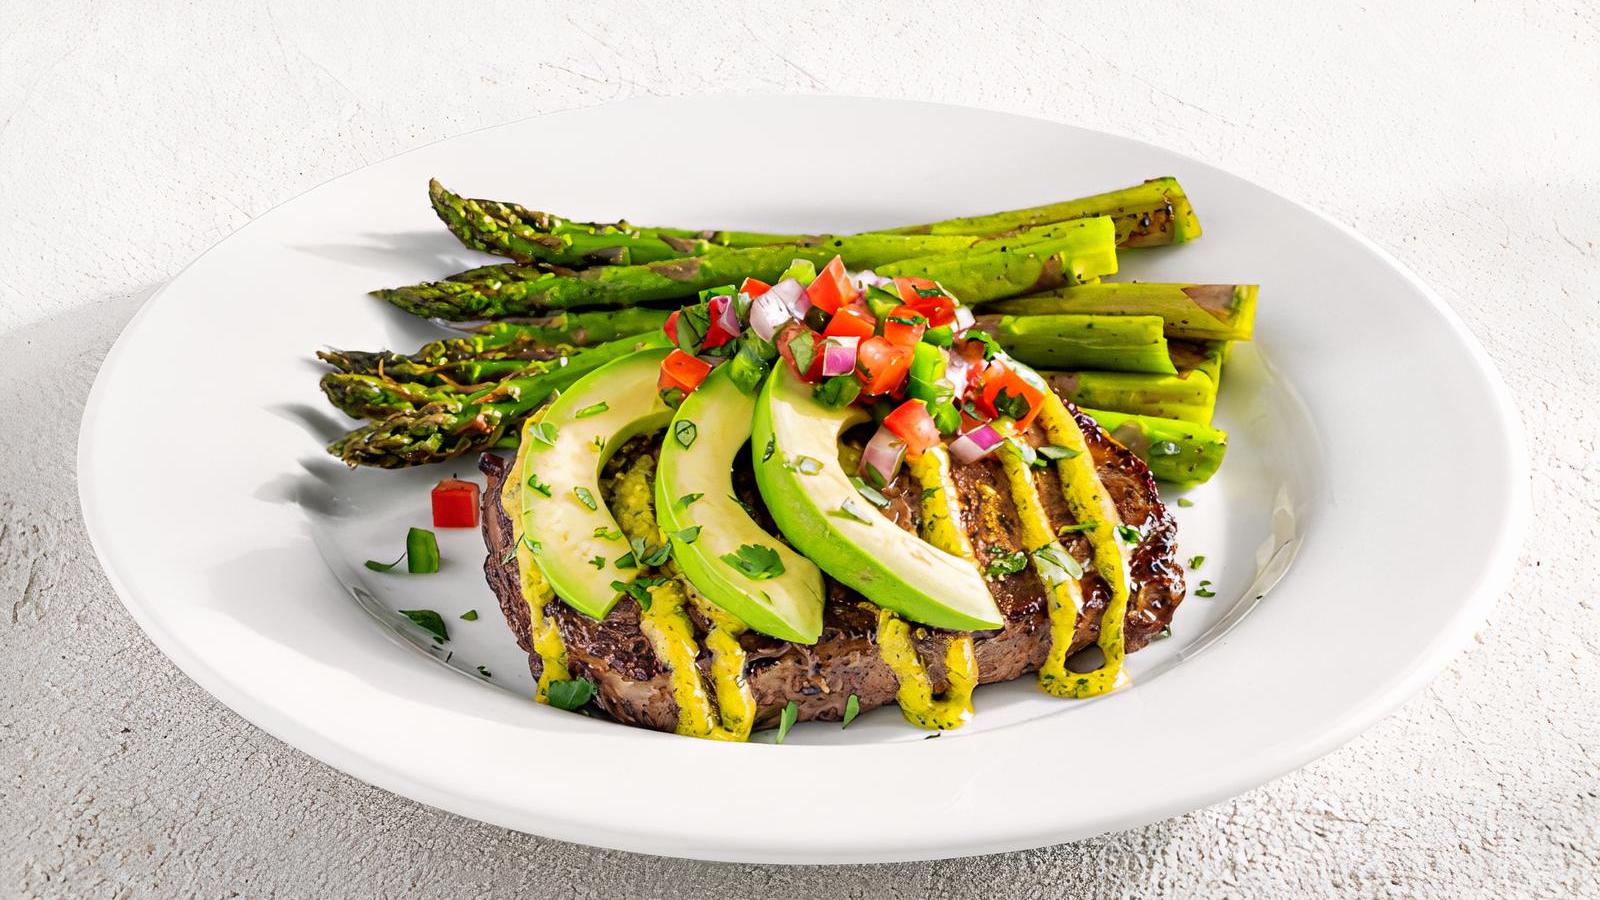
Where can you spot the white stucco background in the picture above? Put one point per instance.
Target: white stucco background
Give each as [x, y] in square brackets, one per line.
[1463, 137]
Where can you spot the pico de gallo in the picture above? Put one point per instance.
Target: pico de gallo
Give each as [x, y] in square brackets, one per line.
[903, 348]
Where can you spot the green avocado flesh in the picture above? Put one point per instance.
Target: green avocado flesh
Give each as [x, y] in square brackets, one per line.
[561, 478]
[787, 605]
[823, 516]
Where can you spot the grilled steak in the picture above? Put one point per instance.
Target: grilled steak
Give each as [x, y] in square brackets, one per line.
[633, 686]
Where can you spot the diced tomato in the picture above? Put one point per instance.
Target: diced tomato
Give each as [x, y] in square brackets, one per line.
[881, 366]
[671, 327]
[755, 287]
[904, 326]
[832, 288]
[911, 423]
[850, 321]
[716, 335]
[908, 287]
[682, 372]
[455, 504]
[796, 340]
[1005, 392]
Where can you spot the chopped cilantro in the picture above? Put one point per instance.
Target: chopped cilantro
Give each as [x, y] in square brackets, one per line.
[929, 492]
[428, 621]
[687, 535]
[594, 410]
[638, 589]
[608, 534]
[1195, 562]
[535, 484]
[837, 391]
[772, 444]
[650, 555]
[599, 562]
[786, 721]
[1079, 528]
[873, 495]
[1185, 502]
[802, 346]
[755, 562]
[1014, 406]
[852, 708]
[570, 695]
[376, 566]
[470, 615]
[687, 499]
[543, 432]
[1005, 562]
[484, 672]
[1055, 451]
[1204, 590]
[1129, 533]
[585, 496]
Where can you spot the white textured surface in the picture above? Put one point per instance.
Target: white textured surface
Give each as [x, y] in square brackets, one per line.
[1461, 137]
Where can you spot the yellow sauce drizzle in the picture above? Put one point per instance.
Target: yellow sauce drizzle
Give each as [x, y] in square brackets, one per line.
[940, 527]
[1090, 503]
[536, 591]
[667, 625]
[1065, 593]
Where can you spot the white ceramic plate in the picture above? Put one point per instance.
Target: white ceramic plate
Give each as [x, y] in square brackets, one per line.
[1372, 446]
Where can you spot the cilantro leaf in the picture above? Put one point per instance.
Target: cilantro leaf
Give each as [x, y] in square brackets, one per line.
[755, 561]
[1005, 562]
[786, 721]
[428, 621]
[570, 695]
[852, 708]
[873, 495]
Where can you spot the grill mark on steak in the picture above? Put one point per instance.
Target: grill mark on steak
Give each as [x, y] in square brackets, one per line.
[633, 687]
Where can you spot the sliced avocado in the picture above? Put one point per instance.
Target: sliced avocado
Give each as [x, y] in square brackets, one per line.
[564, 515]
[788, 605]
[824, 517]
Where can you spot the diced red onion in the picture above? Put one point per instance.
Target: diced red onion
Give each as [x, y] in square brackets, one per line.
[839, 355]
[725, 313]
[790, 293]
[767, 315]
[975, 444]
[964, 320]
[867, 278]
[882, 457]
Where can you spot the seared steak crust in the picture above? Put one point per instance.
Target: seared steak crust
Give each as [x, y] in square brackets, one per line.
[634, 688]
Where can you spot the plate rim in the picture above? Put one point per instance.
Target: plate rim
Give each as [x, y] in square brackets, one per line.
[1492, 577]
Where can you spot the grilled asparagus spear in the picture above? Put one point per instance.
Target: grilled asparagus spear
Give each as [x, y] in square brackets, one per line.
[1146, 215]
[976, 271]
[1204, 312]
